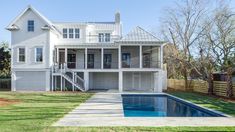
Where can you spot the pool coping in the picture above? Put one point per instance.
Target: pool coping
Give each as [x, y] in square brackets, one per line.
[75, 119]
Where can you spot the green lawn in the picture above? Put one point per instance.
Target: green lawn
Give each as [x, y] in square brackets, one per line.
[37, 111]
[227, 107]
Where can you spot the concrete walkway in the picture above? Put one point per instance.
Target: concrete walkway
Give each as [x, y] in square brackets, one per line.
[105, 109]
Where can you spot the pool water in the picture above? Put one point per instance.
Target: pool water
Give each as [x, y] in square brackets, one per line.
[162, 106]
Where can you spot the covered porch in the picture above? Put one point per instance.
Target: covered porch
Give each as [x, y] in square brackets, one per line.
[87, 58]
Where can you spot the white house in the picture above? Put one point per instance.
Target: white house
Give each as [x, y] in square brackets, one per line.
[50, 56]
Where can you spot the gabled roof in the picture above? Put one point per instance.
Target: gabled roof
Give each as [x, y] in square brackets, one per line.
[140, 35]
[49, 23]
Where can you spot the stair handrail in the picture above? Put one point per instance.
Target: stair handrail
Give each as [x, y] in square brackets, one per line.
[78, 77]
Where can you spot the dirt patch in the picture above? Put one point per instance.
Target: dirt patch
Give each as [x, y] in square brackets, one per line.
[5, 102]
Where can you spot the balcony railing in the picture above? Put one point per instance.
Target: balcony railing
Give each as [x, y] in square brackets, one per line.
[97, 39]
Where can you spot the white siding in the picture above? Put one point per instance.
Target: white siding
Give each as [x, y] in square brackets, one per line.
[30, 80]
[138, 81]
[103, 80]
[30, 40]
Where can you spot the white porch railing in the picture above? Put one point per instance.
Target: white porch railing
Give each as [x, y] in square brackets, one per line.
[76, 81]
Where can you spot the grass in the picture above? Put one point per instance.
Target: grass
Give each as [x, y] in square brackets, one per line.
[38, 111]
[225, 106]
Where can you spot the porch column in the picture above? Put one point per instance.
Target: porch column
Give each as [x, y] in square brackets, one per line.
[57, 55]
[55, 83]
[161, 57]
[13, 81]
[157, 82]
[141, 65]
[120, 57]
[65, 56]
[120, 81]
[85, 63]
[61, 83]
[102, 58]
[73, 80]
[86, 80]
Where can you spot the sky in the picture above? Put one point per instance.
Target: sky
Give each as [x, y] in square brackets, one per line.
[144, 13]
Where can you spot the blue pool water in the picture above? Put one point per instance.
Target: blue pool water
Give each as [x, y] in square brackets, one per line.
[162, 106]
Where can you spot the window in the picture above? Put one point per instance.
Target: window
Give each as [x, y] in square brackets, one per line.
[39, 55]
[90, 61]
[21, 54]
[71, 33]
[65, 33]
[77, 33]
[126, 60]
[107, 60]
[107, 37]
[101, 37]
[30, 26]
[104, 37]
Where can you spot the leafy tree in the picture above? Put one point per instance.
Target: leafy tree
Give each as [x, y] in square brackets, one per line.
[5, 60]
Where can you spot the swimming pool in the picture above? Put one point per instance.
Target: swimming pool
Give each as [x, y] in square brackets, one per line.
[162, 105]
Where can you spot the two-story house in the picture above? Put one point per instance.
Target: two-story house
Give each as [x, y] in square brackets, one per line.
[51, 56]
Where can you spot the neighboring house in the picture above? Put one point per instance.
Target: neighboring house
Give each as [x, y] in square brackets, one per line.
[49, 56]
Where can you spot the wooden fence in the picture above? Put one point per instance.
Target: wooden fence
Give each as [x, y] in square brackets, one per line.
[199, 86]
[5, 83]
[220, 88]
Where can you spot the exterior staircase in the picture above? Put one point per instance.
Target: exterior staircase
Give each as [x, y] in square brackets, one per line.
[76, 81]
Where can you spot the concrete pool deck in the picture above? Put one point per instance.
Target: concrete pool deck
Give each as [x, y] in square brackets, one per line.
[105, 109]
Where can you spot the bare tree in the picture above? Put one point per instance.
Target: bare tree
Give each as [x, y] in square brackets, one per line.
[220, 35]
[184, 29]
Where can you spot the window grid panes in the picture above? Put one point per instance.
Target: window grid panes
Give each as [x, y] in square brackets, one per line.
[77, 33]
[107, 37]
[71, 33]
[65, 33]
[30, 25]
[39, 55]
[21, 54]
[104, 37]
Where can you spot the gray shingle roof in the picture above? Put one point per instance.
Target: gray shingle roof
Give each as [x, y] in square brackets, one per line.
[139, 34]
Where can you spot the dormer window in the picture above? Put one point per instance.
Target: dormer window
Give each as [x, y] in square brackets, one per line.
[71, 33]
[30, 25]
[65, 33]
[77, 33]
[107, 37]
[104, 37]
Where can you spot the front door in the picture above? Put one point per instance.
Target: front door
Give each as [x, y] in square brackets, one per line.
[126, 60]
[90, 61]
[107, 60]
[72, 61]
[61, 58]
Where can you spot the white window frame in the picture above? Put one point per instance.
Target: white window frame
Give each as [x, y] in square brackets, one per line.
[65, 33]
[71, 33]
[32, 26]
[18, 55]
[76, 33]
[35, 55]
[103, 37]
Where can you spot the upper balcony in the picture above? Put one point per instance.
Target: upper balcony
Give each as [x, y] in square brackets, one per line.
[102, 38]
[90, 39]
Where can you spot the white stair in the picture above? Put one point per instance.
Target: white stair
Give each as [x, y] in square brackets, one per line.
[77, 81]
